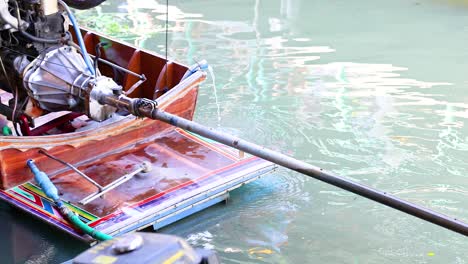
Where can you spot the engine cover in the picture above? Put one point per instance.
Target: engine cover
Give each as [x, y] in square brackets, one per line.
[59, 80]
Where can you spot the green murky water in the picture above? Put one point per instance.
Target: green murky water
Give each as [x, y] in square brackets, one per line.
[373, 90]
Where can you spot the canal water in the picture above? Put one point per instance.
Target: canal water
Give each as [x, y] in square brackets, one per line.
[373, 90]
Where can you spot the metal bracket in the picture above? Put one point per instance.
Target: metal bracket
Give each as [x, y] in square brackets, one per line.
[143, 167]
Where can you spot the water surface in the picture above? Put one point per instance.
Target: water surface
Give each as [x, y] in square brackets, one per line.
[372, 90]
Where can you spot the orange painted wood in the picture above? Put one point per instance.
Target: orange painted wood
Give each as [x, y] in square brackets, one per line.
[175, 159]
[135, 66]
[165, 80]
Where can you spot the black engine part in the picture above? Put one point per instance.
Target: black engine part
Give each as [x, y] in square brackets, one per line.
[83, 4]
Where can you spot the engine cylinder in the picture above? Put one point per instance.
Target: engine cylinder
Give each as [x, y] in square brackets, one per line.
[59, 80]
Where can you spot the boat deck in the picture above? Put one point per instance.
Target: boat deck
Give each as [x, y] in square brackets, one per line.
[188, 174]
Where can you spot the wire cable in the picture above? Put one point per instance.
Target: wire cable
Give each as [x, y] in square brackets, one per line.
[78, 36]
[34, 38]
[167, 46]
[13, 114]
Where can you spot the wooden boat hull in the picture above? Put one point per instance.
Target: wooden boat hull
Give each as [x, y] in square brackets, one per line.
[86, 146]
[188, 174]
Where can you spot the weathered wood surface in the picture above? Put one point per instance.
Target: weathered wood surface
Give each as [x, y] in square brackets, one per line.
[88, 146]
[176, 161]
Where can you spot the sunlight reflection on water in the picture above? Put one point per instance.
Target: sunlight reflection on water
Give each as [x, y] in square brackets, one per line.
[378, 96]
[354, 103]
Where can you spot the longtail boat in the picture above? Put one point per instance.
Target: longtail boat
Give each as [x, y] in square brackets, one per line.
[123, 154]
[187, 173]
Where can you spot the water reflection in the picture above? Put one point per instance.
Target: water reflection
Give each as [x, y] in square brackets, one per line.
[373, 90]
[339, 88]
[26, 240]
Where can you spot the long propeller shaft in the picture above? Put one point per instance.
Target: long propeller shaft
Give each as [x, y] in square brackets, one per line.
[312, 171]
[147, 108]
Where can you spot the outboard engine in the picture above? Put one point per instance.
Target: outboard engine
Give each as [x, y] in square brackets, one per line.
[59, 80]
[41, 66]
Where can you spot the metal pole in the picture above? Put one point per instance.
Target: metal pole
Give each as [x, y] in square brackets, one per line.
[73, 168]
[310, 170]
